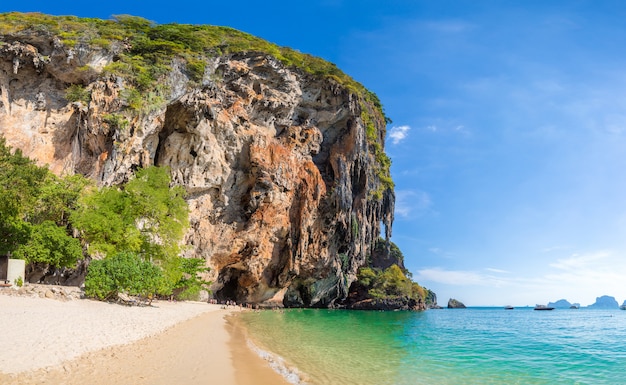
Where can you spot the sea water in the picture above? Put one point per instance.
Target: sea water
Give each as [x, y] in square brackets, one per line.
[445, 346]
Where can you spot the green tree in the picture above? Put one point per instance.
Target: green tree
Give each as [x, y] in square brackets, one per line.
[50, 244]
[160, 211]
[393, 282]
[58, 197]
[34, 210]
[20, 183]
[145, 216]
[105, 220]
[190, 282]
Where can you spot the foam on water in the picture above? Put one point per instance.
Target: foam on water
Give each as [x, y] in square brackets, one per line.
[279, 365]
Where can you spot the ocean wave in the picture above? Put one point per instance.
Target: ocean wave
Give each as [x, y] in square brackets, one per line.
[278, 364]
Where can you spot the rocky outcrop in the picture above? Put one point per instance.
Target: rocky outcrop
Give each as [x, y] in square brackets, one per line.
[399, 303]
[454, 304]
[385, 254]
[283, 183]
[359, 299]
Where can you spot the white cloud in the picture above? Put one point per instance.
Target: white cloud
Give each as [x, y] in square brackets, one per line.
[439, 252]
[579, 262]
[582, 277]
[412, 203]
[457, 277]
[462, 130]
[398, 133]
[446, 128]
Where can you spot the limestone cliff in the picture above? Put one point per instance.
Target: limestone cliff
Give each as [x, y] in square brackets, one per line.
[286, 184]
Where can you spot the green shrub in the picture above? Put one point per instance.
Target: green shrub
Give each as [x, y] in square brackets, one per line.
[115, 121]
[77, 93]
[133, 98]
[123, 272]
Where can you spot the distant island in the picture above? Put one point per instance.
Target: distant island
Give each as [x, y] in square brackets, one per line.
[563, 304]
[455, 304]
[604, 302]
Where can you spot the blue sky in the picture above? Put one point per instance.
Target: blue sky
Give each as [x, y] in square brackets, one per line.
[508, 138]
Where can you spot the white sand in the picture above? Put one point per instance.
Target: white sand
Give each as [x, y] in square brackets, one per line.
[49, 342]
[36, 332]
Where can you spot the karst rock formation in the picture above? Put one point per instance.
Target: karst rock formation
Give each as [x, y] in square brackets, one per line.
[285, 184]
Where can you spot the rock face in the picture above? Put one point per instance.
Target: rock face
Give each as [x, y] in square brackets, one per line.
[454, 304]
[604, 302]
[283, 185]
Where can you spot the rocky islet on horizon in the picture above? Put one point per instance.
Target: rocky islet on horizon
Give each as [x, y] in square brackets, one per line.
[602, 302]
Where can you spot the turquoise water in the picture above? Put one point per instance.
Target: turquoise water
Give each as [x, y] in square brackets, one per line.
[447, 346]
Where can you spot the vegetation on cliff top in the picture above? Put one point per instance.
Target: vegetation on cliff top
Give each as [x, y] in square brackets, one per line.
[150, 48]
[154, 42]
[389, 283]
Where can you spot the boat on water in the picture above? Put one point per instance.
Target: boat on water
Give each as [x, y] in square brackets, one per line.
[508, 307]
[543, 307]
[574, 307]
[623, 307]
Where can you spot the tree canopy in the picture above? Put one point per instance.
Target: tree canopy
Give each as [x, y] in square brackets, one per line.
[146, 216]
[50, 244]
[34, 210]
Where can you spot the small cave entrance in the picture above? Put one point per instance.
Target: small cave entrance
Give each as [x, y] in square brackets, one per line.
[231, 290]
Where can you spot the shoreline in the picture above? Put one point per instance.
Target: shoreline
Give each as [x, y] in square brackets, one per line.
[244, 344]
[188, 342]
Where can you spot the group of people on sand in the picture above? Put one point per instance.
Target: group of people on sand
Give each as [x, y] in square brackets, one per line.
[228, 303]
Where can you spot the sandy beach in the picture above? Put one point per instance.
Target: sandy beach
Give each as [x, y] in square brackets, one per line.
[47, 341]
